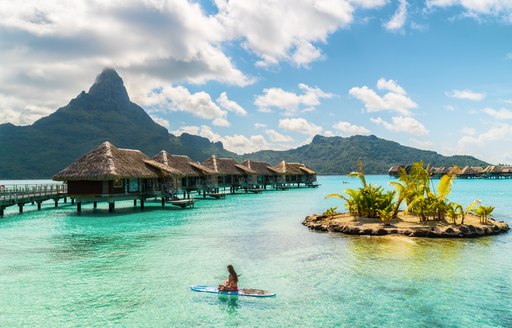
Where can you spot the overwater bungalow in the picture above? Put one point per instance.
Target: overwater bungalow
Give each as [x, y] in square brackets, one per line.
[498, 172]
[290, 174]
[109, 174]
[471, 172]
[266, 175]
[231, 174]
[394, 170]
[194, 175]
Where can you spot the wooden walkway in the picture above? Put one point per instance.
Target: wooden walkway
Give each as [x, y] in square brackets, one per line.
[30, 193]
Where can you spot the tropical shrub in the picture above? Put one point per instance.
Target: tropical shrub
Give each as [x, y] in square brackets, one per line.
[416, 189]
[368, 201]
[331, 211]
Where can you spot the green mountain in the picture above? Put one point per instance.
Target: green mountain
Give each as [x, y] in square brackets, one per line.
[104, 113]
[337, 155]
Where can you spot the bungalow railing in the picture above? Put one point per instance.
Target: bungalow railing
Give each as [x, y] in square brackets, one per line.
[159, 188]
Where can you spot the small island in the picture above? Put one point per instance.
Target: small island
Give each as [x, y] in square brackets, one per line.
[428, 212]
[407, 225]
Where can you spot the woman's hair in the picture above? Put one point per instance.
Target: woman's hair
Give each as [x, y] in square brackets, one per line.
[233, 273]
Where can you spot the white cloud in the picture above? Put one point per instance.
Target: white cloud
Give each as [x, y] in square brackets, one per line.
[369, 3]
[260, 125]
[501, 114]
[51, 49]
[491, 145]
[285, 29]
[162, 121]
[450, 108]
[241, 144]
[501, 9]
[300, 125]
[230, 105]
[278, 137]
[237, 143]
[348, 129]
[395, 100]
[398, 19]
[466, 94]
[288, 101]
[495, 133]
[402, 124]
[179, 99]
[203, 131]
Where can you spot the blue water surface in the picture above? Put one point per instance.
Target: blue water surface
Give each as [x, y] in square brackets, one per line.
[134, 268]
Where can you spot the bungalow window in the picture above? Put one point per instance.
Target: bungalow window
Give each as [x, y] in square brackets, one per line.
[133, 185]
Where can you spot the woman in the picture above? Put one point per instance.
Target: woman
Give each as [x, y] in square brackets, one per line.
[230, 285]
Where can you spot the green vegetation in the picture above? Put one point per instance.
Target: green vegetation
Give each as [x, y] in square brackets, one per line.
[368, 201]
[331, 211]
[338, 155]
[416, 189]
[484, 213]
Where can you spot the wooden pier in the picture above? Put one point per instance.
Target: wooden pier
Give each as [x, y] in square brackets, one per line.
[20, 195]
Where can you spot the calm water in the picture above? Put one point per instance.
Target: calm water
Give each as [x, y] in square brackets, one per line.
[134, 268]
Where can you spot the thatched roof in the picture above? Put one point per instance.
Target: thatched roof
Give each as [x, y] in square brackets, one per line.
[394, 169]
[499, 169]
[226, 166]
[292, 169]
[260, 168]
[183, 164]
[471, 170]
[108, 162]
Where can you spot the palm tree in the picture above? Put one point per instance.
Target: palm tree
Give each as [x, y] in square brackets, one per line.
[484, 212]
[455, 211]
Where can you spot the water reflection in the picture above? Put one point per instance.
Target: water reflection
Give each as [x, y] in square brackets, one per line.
[229, 303]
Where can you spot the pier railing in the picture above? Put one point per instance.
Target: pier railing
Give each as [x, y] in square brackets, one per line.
[12, 194]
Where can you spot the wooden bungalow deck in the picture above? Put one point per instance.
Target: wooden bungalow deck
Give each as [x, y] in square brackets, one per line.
[37, 193]
[183, 203]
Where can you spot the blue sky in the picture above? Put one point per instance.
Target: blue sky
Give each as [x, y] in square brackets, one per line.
[271, 74]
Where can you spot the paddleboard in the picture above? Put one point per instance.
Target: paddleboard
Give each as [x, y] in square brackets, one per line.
[241, 292]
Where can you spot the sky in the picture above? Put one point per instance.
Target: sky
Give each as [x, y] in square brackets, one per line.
[272, 74]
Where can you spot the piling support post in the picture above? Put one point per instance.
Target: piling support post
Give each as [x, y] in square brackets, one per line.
[56, 203]
[72, 201]
[21, 207]
[65, 200]
[142, 203]
[163, 202]
[78, 206]
[2, 210]
[39, 205]
[111, 207]
[134, 202]
[94, 204]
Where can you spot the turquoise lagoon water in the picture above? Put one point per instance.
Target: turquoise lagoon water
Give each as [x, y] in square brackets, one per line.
[134, 268]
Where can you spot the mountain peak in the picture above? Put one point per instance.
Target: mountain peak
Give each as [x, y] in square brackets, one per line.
[109, 85]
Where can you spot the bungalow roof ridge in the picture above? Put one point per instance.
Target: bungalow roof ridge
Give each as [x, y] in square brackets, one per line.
[109, 157]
